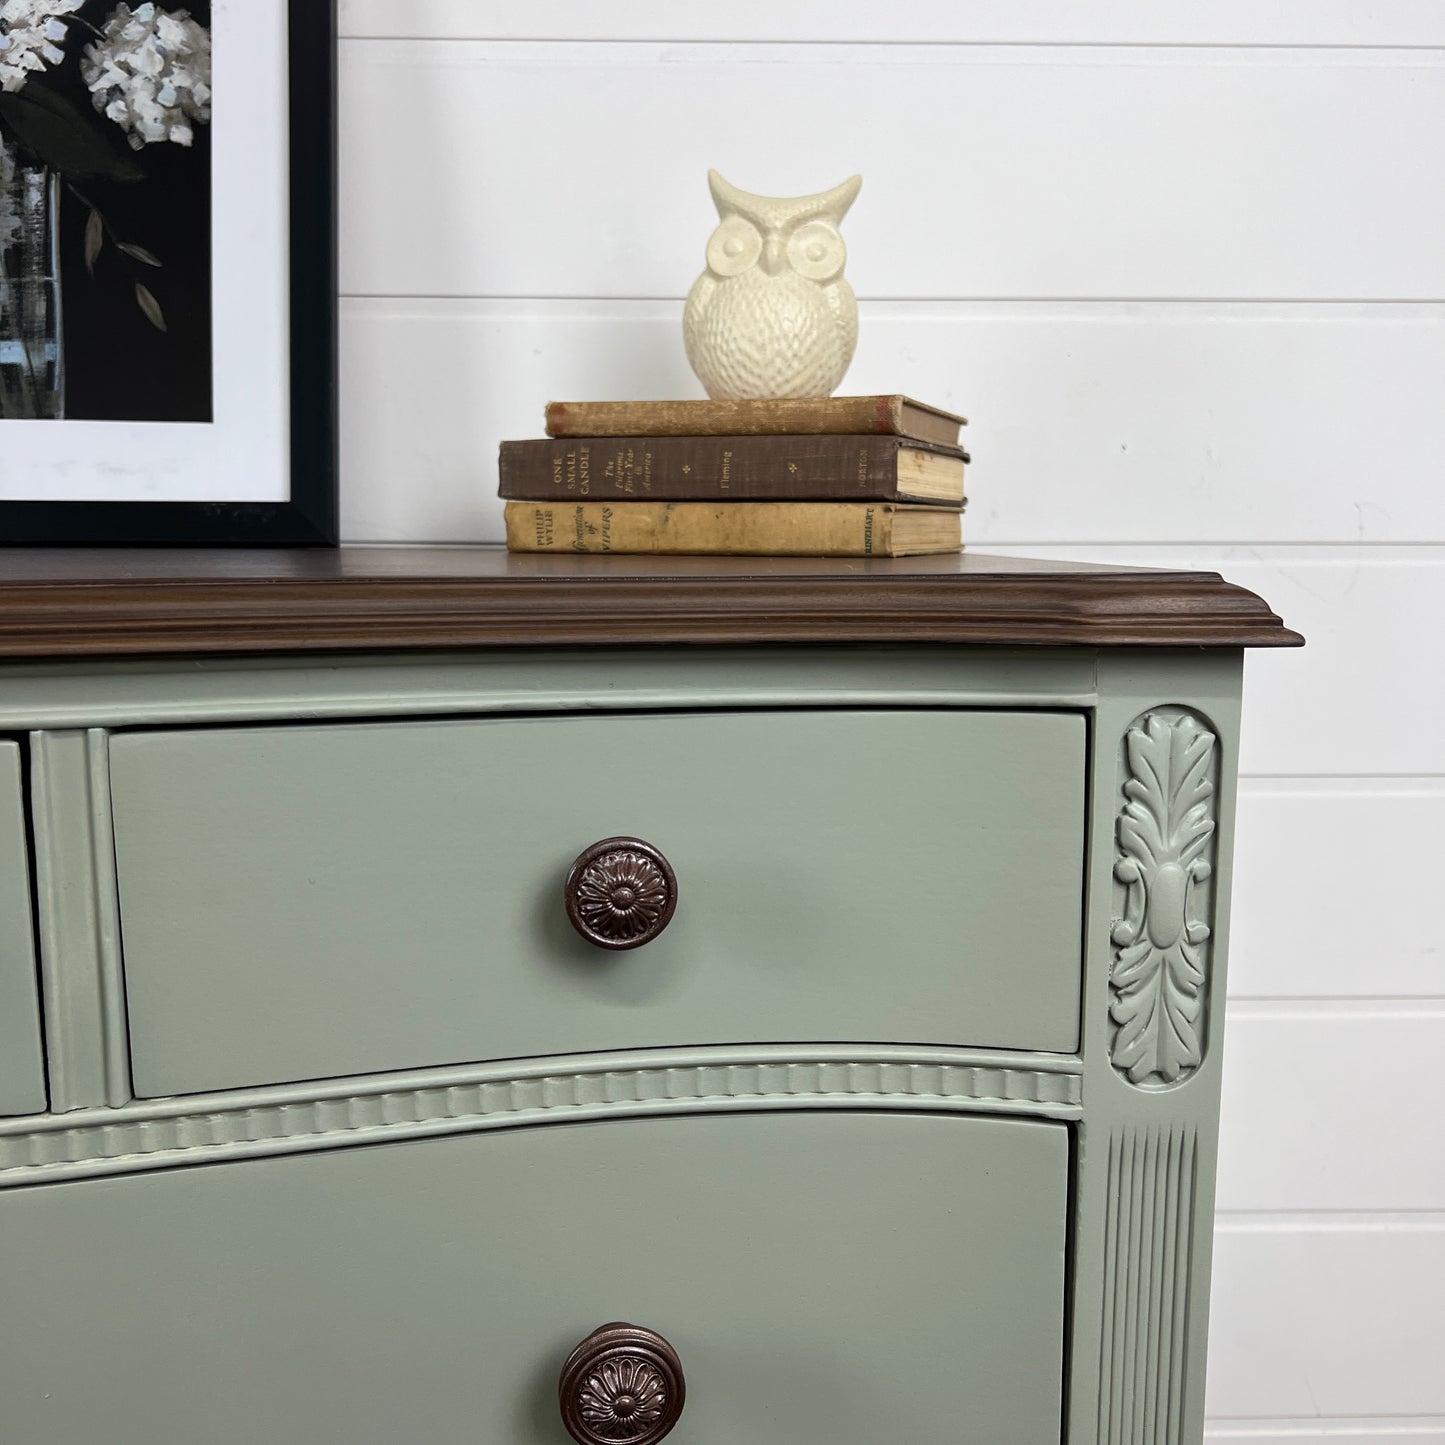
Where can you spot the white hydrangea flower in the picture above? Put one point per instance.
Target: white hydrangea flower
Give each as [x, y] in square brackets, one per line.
[30, 36]
[151, 74]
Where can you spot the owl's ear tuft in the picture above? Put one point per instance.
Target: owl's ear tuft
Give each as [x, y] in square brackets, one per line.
[725, 196]
[841, 197]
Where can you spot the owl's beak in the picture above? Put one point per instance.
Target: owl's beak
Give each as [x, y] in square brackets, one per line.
[773, 255]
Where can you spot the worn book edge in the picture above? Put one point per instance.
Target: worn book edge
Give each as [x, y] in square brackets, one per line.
[892, 414]
[780, 529]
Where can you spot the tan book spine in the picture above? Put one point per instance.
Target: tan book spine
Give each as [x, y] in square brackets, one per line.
[779, 529]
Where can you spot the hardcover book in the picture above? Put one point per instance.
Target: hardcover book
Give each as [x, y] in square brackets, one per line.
[732, 468]
[856, 415]
[773, 529]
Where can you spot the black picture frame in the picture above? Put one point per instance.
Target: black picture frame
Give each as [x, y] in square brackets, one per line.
[309, 518]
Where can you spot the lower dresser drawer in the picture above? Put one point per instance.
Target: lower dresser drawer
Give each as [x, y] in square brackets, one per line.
[316, 901]
[839, 1278]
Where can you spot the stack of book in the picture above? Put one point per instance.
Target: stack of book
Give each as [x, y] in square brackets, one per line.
[846, 476]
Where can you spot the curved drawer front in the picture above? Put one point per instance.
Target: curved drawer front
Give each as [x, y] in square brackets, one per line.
[315, 901]
[824, 1280]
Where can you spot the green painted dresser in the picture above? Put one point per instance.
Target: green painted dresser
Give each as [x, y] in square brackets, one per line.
[447, 997]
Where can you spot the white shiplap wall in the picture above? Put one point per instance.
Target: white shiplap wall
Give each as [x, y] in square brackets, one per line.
[1184, 267]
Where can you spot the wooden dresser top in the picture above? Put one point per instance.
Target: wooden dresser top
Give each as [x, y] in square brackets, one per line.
[109, 602]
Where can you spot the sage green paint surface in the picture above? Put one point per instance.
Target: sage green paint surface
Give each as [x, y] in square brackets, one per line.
[86, 1045]
[1144, 1233]
[1139, 1191]
[129, 692]
[22, 1066]
[312, 901]
[846, 1279]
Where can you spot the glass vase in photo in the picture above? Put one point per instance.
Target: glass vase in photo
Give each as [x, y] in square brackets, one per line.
[31, 357]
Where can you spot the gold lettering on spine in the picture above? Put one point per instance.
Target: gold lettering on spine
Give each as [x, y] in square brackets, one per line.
[571, 472]
[628, 471]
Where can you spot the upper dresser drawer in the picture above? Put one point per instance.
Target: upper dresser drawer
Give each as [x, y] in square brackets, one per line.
[312, 901]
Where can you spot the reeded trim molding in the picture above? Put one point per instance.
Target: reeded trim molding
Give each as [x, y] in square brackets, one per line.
[301, 1118]
[1149, 1249]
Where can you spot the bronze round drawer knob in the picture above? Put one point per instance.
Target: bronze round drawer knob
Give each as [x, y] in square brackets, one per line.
[621, 893]
[622, 1385]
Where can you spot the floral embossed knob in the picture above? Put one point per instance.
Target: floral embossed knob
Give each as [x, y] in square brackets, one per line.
[622, 1385]
[621, 893]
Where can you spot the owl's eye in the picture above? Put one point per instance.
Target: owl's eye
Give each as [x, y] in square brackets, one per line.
[733, 247]
[817, 251]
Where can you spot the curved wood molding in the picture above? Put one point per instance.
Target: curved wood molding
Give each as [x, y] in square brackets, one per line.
[114, 602]
[301, 1118]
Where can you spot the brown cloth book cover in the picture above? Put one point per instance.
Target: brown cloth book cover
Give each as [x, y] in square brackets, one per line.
[848, 415]
[732, 468]
[759, 529]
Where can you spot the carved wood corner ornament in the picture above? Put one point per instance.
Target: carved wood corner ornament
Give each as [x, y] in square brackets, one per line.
[1162, 878]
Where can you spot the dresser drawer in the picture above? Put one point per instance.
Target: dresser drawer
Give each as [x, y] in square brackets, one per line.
[825, 1279]
[312, 901]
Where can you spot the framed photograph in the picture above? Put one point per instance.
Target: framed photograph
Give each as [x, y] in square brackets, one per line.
[168, 272]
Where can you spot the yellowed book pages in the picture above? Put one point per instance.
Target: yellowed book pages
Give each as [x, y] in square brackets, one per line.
[760, 529]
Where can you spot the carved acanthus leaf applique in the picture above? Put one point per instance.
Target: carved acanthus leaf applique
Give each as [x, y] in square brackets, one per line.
[1161, 960]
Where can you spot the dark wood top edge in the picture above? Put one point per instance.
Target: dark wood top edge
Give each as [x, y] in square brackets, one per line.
[147, 614]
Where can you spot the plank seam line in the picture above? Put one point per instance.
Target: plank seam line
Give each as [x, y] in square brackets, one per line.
[866, 301]
[895, 43]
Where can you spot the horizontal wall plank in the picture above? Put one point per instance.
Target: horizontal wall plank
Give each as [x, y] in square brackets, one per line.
[1399, 1430]
[476, 168]
[1365, 694]
[1267, 423]
[1336, 886]
[1327, 1319]
[1113, 22]
[1333, 1107]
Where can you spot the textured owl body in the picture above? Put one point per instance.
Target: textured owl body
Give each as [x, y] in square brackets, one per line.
[769, 336]
[772, 315]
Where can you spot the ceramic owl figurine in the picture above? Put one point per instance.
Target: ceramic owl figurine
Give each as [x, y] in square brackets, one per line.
[772, 315]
